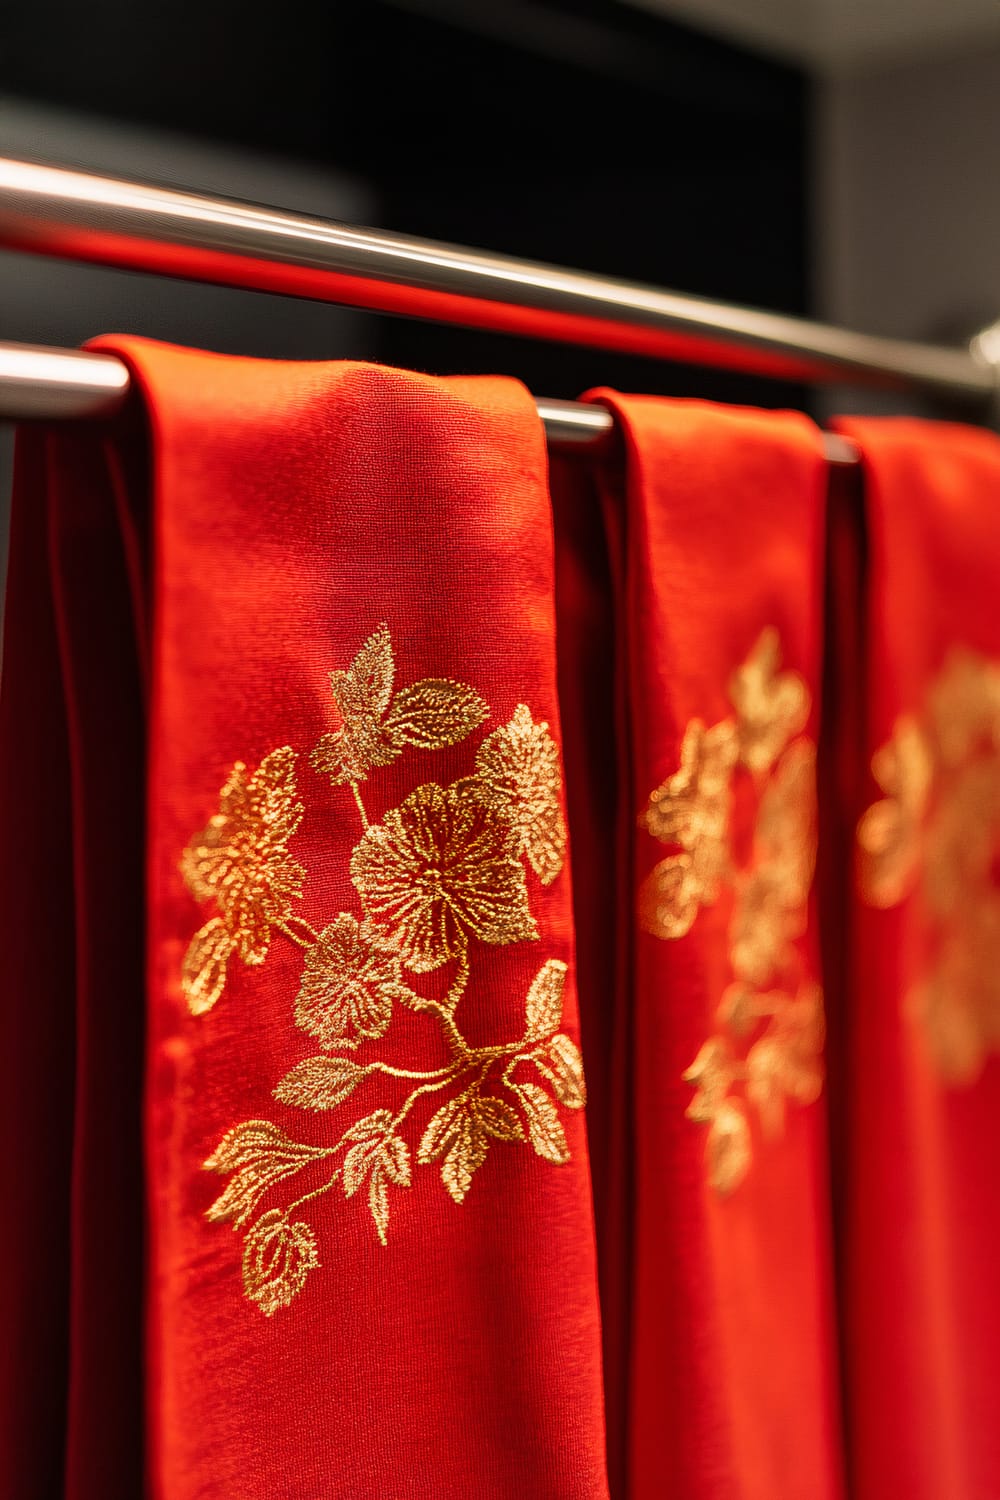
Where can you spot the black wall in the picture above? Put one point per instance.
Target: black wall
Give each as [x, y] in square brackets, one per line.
[578, 131]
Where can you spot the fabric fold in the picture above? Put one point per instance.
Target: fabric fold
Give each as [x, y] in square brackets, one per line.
[371, 1248]
[730, 1367]
[918, 1203]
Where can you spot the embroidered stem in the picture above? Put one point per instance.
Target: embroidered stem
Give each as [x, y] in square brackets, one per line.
[427, 1088]
[361, 806]
[316, 1192]
[381, 1067]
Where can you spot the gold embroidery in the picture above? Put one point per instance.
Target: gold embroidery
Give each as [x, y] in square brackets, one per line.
[691, 809]
[277, 1258]
[441, 872]
[935, 836]
[517, 772]
[351, 977]
[241, 862]
[768, 1049]
[771, 706]
[375, 726]
[441, 868]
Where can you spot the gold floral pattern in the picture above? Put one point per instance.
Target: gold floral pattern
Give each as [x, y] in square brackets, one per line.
[376, 726]
[351, 977]
[934, 838]
[241, 862]
[444, 871]
[767, 1050]
[440, 868]
[517, 773]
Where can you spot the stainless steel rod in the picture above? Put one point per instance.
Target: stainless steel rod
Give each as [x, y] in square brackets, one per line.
[59, 384]
[80, 216]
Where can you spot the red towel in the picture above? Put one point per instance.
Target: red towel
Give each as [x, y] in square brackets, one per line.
[919, 1195]
[370, 1261]
[727, 1370]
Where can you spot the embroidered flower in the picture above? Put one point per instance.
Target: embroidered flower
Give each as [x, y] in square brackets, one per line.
[350, 980]
[445, 865]
[277, 1258]
[517, 768]
[441, 867]
[772, 706]
[936, 836]
[691, 808]
[241, 861]
[889, 833]
[767, 1048]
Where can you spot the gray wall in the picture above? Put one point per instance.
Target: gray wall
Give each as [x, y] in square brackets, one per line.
[908, 197]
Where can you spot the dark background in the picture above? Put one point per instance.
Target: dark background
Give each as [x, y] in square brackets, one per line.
[581, 132]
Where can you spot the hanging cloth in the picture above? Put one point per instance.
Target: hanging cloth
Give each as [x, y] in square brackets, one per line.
[918, 1200]
[370, 1259]
[727, 1365]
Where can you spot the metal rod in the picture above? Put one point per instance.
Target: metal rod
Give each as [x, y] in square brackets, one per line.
[80, 216]
[59, 384]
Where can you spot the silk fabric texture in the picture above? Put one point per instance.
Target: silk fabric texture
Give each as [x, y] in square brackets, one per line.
[328, 599]
[722, 1381]
[360, 969]
[918, 792]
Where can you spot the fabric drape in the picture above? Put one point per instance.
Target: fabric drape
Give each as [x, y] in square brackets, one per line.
[920, 1079]
[371, 1247]
[500, 973]
[727, 1373]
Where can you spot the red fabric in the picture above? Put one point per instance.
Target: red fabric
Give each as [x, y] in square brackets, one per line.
[297, 509]
[920, 1206]
[731, 1371]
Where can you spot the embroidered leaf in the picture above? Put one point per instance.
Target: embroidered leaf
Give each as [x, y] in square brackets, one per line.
[785, 836]
[787, 1061]
[669, 898]
[320, 1082]
[433, 713]
[517, 769]
[378, 1203]
[358, 1162]
[203, 976]
[545, 998]
[277, 1258]
[467, 1154]
[728, 1149]
[461, 1130]
[691, 808]
[362, 694]
[567, 1072]
[544, 1126]
[712, 1073]
[259, 1155]
[439, 1132]
[890, 833]
[772, 706]
[498, 1119]
[766, 1069]
[381, 1161]
[396, 1161]
[372, 671]
[375, 1124]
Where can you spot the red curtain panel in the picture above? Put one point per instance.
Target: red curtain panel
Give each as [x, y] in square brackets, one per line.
[919, 1197]
[370, 1263]
[728, 1365]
